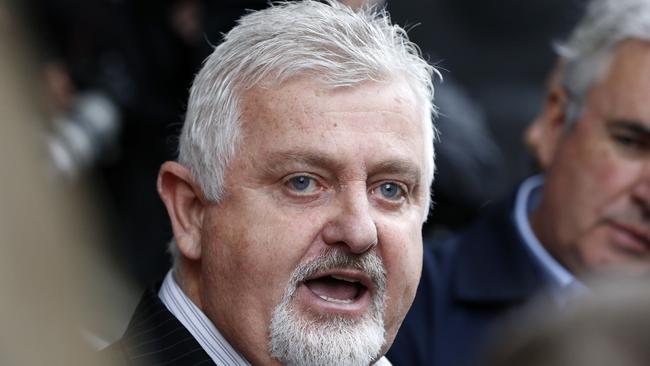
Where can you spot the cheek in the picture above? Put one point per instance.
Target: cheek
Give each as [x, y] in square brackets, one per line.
[254, 250]
[402, 253]
[594, 250]
[601, 170]
[587, 178]
[606, 186]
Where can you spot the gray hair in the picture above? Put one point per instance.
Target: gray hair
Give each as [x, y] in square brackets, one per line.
[338, 46]
[589, 49]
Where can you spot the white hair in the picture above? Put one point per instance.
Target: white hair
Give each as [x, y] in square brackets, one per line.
[589, 49]
[329, 41]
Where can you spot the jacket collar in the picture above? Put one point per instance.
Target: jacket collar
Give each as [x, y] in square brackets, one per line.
[493, 264]
[154, 336]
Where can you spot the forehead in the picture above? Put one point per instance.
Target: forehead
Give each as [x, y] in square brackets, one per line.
[308, 96]
[304, 110]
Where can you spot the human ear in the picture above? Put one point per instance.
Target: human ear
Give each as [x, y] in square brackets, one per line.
[185, 206]
[545, 133]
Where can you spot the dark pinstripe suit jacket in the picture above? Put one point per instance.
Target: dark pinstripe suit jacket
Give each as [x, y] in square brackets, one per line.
[155, 337]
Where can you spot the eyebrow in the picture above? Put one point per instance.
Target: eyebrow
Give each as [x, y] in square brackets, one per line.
[395, 166]
[303, 158]
[399, 167]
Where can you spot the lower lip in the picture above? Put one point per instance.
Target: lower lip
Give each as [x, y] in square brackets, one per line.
[628, 241]
[313, 303]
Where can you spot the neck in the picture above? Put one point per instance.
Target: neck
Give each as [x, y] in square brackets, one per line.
[540, 226]
[188, 274]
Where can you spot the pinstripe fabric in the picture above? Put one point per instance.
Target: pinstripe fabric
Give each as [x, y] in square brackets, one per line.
[198, 324]
[202, 328]
[154, 337]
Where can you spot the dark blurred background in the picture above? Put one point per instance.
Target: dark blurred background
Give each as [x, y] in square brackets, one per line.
[115, 76]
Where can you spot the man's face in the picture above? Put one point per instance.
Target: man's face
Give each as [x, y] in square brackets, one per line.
[323, 201]
[595, 210]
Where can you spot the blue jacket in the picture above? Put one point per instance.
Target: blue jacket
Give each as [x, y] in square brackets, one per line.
[470, 282]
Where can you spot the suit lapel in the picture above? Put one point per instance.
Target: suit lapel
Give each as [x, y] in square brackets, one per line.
[155, 337]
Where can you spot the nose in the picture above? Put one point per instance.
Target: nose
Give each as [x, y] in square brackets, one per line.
[352, 225]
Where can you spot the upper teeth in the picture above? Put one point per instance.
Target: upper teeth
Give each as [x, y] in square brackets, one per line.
[344, 279]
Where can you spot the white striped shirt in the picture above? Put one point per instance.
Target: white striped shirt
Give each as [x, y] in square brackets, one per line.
[202, 329]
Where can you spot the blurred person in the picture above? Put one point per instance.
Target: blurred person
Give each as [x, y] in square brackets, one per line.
[298, 198]
[140, 57]
[588, 213]
[50, 230]
[611, 327]
[495, 56]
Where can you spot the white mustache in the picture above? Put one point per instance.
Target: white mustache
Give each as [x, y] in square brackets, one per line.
[368, 263]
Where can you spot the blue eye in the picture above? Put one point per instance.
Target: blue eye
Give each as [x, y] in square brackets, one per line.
[391, 191]
[300, 183]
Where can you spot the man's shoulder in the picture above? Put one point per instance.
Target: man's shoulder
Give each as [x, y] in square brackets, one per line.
[488, 262]
[154, 336]
[488, 233]
[469, 280]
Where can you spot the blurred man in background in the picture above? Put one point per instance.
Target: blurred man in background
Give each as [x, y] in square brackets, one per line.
[609, 327]
[589, 213]
[495, 56]
[298, 198]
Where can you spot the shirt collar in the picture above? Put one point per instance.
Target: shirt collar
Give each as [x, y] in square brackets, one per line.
[559, 278]
[202, 329]
[198, 324]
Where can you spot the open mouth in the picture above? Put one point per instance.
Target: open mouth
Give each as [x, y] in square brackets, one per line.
[337, 288]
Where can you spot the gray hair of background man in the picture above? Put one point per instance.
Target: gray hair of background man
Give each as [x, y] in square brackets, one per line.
[587, 52]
